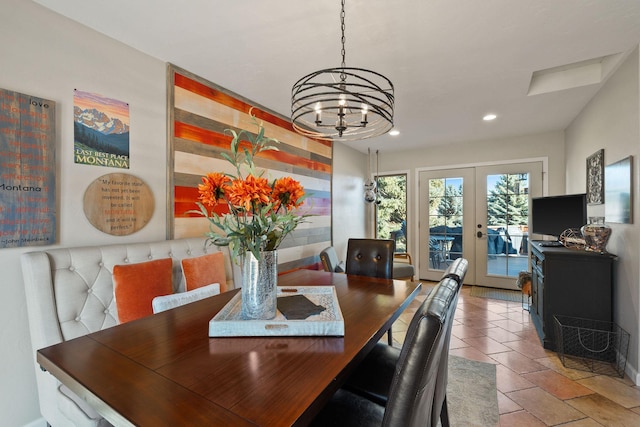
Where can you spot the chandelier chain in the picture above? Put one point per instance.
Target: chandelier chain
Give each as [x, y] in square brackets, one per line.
[343, 76]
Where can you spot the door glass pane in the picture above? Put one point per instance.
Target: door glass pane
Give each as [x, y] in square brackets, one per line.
[391, 210]
[445, 221]
[507, 219]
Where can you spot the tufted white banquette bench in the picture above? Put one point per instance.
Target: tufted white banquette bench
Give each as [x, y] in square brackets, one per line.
[70, 293]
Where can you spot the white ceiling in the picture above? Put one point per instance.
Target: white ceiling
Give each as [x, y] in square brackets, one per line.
[451, 61]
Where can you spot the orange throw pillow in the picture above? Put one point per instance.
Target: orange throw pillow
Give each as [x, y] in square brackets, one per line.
[136, 285]
[204, 270]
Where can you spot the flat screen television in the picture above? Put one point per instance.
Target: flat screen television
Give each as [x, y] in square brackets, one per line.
[552, 215]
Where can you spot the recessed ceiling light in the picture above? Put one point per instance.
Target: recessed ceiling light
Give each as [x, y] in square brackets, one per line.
[489, 117]
[394, 132]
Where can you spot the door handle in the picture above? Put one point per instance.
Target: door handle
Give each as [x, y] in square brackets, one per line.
[479, 234]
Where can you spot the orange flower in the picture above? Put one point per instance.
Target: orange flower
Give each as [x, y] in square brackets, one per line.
[247, 212]
[212, 190]
[287, 192]
[249, 193]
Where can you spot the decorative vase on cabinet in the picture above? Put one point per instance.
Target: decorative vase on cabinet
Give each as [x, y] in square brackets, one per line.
[596, 235]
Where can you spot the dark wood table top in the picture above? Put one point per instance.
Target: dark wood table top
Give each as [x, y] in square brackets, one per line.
[164, 370]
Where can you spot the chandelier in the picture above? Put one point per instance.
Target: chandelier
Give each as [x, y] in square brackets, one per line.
[345, 103]
[371, 185]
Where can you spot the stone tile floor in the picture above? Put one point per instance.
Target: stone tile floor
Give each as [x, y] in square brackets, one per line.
[534, 388]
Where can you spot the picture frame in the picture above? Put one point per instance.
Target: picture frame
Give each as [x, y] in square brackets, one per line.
[619, 191]
[595, 178]
[201, 115]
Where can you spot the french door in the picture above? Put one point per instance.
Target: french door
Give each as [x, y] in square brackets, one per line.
[481, 214]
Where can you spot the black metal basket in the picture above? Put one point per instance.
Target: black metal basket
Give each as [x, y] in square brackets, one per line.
[591, 345]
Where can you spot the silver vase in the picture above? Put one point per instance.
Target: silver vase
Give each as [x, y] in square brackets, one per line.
[259, 281]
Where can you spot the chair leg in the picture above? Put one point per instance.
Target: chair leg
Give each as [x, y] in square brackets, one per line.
[389, 337]
[526, 301]
[444, 414]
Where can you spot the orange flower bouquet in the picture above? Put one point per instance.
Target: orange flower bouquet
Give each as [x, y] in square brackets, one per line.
[261, 213]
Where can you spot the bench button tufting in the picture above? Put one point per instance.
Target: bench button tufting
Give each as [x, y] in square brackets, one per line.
[106, 311]
[77, 319]
[101, 264]
[89, 290]
[71, 268]
[189, 252]
[126, 260]
[170, 255]
[150, 256]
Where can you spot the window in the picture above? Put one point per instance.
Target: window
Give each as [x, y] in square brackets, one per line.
[391, 209]
[445, 221]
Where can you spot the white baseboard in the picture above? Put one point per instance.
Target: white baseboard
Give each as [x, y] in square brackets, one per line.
[633, 374]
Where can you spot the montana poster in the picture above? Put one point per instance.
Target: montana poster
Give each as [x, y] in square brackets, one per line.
[100, 130]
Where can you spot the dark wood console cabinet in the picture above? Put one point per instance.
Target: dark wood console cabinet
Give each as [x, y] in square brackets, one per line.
[569, 282]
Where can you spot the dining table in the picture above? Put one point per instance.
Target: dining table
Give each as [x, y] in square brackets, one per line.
[165, 369]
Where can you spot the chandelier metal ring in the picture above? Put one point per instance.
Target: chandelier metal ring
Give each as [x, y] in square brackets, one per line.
[344, 102]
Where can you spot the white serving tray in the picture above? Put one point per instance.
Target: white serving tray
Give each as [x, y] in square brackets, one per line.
[229, 323]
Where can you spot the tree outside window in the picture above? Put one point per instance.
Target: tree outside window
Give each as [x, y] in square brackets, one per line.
[445, 221]
[508, 201]
[507, 213]
[391, 209]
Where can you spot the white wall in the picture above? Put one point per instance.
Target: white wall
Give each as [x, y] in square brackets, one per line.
[546, 145]
[349, 209]
[612, 121]
[46, 55]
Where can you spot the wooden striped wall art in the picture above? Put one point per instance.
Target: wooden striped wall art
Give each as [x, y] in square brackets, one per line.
[199, 112]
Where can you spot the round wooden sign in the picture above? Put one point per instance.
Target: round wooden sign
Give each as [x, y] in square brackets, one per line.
[118, 204]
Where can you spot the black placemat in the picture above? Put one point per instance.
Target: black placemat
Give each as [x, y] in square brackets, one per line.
[298, 307]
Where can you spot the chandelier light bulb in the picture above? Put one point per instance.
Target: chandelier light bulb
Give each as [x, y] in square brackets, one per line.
[363, 120]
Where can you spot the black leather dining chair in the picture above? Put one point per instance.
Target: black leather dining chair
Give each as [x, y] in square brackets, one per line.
[399, 385]
[372, 258]
[456, 271]
[383, 359]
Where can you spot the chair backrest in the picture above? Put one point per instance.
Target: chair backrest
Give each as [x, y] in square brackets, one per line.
[329, 259]
[411, 396]
[457, 270]
[370, 257]
[70, 294]
[440, 392]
